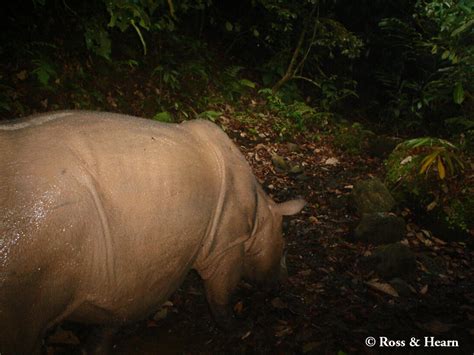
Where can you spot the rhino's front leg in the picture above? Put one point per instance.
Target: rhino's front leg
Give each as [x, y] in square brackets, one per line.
[100, 340]
[220, 286]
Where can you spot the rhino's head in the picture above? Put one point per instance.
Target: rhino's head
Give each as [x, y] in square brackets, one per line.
[265, 252]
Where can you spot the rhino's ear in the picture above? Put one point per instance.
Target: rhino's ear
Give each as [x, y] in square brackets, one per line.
[289, 208]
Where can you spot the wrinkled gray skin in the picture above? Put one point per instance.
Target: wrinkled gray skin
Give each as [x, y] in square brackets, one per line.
[103, 215]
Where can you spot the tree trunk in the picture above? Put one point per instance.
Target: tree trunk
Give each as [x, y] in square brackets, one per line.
[292, 67]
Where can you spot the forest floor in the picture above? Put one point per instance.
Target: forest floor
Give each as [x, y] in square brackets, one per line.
[334, 299]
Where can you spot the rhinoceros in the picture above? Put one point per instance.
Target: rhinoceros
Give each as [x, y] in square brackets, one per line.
[103, 215]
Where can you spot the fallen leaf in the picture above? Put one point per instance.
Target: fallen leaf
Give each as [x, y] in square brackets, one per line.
[278, 303]
[438, 241]
[305, 272]
[435, 327]
[246, 335]
[282, 331]
[161, 314]
[420, 237]
[382, 287]
[151, 323]
[193, 291]
[22, 75]
[331, 161]
[424, 290]
[422, 266]
[167, 304]
[239, 307]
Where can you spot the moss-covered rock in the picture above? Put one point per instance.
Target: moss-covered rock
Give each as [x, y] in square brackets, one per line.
[394, 260]
[452, 221]
[402, 176]
[371, 196]
[352, 138]
[380, 228]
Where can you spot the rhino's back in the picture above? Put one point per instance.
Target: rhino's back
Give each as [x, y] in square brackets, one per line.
[131, 199]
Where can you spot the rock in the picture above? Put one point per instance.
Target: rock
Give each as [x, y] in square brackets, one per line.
[431, 265]
[402, 288]
[280, 163]
[394, 260]
[381, 146]
[371, 196]
[380, 228]
[292, 147]
[296, 169]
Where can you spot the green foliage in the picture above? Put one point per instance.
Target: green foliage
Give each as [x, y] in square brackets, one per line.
[44, 70]
[431, 62]
[97, 39]
[351, 138]
[438, 154]
[459, 213]
[168, 76]
[335, 89]
[233, 86]
[210, 115]
[164, 116]
[5, 98]
[418, 165]
[427, 172]
[305, 46]
[467, 141]
[293, 117]
[129, 13]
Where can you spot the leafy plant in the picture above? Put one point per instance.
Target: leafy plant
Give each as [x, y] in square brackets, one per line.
[127, 13]
[44, 70]
[431, 60]
[438, 154]
[5, 98]
[303, 40]
[425, 174]
[164, 116]
[210, 115]
[232, 85]
[167, 76]
[97, 39]
[293, 117]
